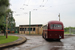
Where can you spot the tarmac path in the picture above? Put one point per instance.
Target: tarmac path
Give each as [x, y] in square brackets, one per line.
[35, 42]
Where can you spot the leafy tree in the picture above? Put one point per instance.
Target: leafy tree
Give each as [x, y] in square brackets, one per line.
[3, 7]
[4, 2]
[7, 15]
[2, 20]
[11, 21]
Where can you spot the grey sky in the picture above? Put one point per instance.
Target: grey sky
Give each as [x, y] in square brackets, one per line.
[43, 11]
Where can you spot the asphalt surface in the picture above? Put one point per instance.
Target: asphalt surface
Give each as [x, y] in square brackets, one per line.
[38, 43]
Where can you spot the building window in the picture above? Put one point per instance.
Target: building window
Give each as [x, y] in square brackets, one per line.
[25, 29]
[21, 29]
[29, 29]
[33, 29]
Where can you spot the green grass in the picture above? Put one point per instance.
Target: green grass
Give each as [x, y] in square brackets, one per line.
[67, 33]
[3, 39]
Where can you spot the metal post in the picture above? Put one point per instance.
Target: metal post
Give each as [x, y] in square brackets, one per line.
[29, 21]
[59, 16]
[70, 31]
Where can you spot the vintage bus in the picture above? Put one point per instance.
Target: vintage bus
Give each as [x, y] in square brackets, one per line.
[53, 30]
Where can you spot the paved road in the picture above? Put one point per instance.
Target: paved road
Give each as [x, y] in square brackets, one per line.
[38, 43]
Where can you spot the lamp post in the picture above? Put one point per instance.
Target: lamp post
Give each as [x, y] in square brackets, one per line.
[29, 21]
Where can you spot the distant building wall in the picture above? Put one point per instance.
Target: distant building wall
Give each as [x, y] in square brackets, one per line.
[34, 29]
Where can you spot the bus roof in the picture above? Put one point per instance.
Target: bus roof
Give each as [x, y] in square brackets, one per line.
[55, 22]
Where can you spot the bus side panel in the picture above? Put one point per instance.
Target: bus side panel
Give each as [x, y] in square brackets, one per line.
[45, 33]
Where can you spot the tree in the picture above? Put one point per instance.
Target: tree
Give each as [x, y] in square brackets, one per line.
[3, 6]
[11, 23]
[2, 23]
[4, 11]
[7, 15]
[4, 2]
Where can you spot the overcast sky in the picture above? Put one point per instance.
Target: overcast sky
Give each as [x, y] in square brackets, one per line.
[43, 11]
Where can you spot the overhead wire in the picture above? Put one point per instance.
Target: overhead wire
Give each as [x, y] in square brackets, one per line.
[21, 8]
[44, 2]
[26, 4]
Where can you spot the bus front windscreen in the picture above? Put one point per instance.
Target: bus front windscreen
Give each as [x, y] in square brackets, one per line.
[55, 26]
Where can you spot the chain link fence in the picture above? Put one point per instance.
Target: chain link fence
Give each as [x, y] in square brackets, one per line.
[69, 31]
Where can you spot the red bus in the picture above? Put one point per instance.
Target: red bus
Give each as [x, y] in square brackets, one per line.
[53, 30]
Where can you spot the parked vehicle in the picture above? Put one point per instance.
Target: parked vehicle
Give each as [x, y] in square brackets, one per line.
[53, 30]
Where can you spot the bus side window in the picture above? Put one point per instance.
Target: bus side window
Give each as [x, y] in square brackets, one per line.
[51, 26]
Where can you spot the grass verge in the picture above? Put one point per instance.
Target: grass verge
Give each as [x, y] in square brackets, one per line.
[3, 39]
[67, 33]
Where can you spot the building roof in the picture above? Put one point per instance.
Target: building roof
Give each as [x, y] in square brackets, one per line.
[31, 25]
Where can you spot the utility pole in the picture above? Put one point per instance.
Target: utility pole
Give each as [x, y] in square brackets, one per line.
[29, 21]
[59, 16]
